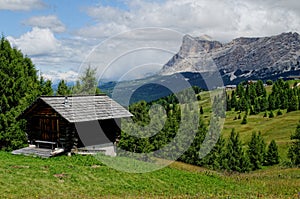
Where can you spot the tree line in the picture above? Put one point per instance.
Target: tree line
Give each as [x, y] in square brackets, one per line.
[253, 98]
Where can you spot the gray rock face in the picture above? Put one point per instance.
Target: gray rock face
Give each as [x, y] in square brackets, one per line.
[257, 58]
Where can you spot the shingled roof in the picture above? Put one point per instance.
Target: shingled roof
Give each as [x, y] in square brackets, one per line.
[86, 108]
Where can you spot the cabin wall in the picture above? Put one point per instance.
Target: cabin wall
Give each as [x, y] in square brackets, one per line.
[43, 123]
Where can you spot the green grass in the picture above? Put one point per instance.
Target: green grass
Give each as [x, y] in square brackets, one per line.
[278, 128]
[86, 177]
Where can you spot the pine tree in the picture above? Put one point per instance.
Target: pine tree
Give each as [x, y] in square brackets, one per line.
[240, 91]
[45, 87]
[293, 103]
[256, 151]
[294, 149]
[235, 158]
[260, 89]
[87, 84]
[272, 156]
[233, 100]
[215, 157]
[63, 89]
[271, 102]
[263, 101]
[256, 106]
[19, 87]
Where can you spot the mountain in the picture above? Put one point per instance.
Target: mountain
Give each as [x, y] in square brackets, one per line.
[241, 59]
[209, 64]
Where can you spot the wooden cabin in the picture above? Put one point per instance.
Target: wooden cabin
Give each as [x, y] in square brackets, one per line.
[73, 122]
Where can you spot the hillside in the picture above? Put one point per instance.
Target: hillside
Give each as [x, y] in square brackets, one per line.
[85, 177]
[278, 128]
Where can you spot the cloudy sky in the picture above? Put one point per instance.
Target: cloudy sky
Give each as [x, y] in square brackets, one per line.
[130, 38]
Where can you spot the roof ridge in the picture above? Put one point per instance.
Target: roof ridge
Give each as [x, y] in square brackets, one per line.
[63, 96]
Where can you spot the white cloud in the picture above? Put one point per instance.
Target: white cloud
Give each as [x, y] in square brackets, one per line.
[223, 20]
[36, 42]
[56, 59]
[24, 5]
[55, 76]
[50, 21]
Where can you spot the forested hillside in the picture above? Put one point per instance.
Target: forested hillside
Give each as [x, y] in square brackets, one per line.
[231, 152]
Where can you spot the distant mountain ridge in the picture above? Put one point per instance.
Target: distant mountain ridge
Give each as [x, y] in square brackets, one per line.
[242, 58]
[202, 61]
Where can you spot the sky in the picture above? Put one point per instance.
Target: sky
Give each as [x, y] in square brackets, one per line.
[127, 39]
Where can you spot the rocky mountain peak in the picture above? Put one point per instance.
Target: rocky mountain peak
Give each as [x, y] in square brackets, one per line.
[243, 57]
[193, 45]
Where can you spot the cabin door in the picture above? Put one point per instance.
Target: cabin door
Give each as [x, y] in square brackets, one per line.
[49, 129]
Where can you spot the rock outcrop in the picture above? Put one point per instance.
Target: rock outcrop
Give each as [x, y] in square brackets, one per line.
[242, 58]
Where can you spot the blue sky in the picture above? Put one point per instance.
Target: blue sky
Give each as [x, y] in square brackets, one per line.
[62, 36]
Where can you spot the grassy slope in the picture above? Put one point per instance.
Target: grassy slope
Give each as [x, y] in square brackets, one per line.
[85, 177]
[278, 128]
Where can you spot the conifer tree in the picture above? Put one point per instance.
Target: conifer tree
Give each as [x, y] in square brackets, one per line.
[294, 149]
[263, 102]
[87, 84]
[256, 106]
[256, 151]
[215, 157]
[62, 88]
[272, 156]
[235, 158]
[271, 102]
[233, 100]
[19, 87]
[240, 91]
[45, 87]
[293, 103]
